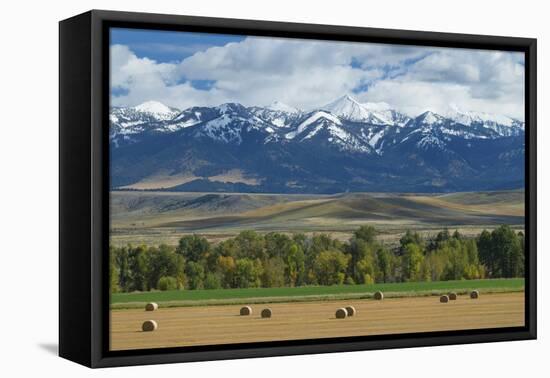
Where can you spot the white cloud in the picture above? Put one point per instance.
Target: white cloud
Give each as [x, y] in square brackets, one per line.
[308, 73]
[126, 68]
[143, 79]
[478, 80]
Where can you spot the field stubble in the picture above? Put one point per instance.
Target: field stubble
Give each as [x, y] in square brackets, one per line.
[209, 325]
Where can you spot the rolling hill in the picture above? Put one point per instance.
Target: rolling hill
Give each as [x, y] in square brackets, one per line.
[154, 215]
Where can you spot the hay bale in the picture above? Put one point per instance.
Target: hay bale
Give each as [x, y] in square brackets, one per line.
[149, 326]
[378, 295]
[452, 296]
[151, 306]
[351, 310]
[341, 313]
[474, 294]
[246, 310]
[266, 313]
[444, 299]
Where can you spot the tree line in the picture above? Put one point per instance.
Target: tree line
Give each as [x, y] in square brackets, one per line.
[251, 259]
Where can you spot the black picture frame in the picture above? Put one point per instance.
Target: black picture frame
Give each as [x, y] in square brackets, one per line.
[84, 179]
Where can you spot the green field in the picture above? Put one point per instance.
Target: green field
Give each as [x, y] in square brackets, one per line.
[310, 293]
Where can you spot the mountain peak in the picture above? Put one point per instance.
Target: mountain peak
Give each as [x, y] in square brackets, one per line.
[471, 117]
[319, 116]
[350, 109]
[231, 107]
[321, 150]
[282, 107]
[348, 98]
[346, 107]
[154, 107]
[429, 118]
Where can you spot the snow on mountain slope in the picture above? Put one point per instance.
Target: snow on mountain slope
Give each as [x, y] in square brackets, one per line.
[187, 118]
[279, 118]
[282, 107]
[384, 112]
[157, 110]
[344, 122]
[313, 117]
[430, 141]
[376, 113]
[136, 119]
[429, 119]
[233, 121]
[373, 137]
[501, 124]
[348, 108]
[193, 116]
[330, 129]
[469, 117]
[225, 129]
[346, 141]
[327, 150]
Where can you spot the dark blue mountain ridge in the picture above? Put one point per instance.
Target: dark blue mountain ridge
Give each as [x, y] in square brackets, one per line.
[342, 147]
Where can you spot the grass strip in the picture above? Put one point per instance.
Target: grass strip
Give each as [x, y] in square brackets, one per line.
[182, 298]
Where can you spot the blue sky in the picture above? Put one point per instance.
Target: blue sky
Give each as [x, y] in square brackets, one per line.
[167, 46]
[184, 69]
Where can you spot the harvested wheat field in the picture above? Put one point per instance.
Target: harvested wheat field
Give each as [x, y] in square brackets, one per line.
[207, 325]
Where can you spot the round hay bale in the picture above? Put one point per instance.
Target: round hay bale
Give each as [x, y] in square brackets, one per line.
[444, 299]
[452, 296]
[266, 313]
[378, 295]
[474, 294]
[351, 310]
[246, 310]
[341, 313]
[151, 306]
[149, 326]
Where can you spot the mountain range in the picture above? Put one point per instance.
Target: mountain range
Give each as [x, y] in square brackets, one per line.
[342, 146]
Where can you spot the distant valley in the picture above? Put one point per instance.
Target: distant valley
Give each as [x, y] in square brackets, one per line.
[163, 217]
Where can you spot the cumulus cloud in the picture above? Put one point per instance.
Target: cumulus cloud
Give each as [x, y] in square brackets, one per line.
[127, 68]
[309, 73]
[144, 79]
[485, 81]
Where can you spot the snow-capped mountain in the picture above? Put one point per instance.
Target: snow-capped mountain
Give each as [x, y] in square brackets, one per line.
[370, 122]
[190, 117]
[125, 121]
[312, 123]
[429, 119]
[282, 107]
[345, 124]
[330, 129]
[344, 145]
[349, 109]
[279, 115]
[470, 117]
[230, 125]
[501, 124]
[156, 110]
[384, 112]
[432, 130]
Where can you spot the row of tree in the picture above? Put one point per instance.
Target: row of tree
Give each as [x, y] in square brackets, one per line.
[275, 260]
